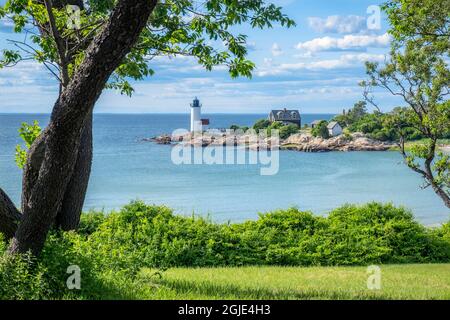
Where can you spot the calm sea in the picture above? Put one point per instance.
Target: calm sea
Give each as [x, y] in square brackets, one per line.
[126, 168]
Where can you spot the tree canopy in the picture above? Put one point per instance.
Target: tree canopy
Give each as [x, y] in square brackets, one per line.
[199, 29]
[417, 71]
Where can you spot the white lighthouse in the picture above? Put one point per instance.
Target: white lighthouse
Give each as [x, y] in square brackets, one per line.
[196, 113]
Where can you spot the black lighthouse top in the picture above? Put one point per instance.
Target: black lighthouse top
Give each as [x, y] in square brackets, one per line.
[196, 103]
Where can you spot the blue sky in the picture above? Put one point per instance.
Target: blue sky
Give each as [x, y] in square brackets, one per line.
[314, 67]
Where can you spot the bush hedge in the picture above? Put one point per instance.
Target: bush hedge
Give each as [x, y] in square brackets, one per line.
[111, 249]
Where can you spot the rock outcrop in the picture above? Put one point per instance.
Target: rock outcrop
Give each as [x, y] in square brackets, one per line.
[299, 142]
[353, 142]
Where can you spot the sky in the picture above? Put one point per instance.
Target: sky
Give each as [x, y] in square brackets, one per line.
[314, 67]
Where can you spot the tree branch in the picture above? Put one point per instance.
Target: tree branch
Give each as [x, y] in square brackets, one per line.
[59, 43]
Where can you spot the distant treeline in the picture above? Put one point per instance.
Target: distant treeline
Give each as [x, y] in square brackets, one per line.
[383, 126]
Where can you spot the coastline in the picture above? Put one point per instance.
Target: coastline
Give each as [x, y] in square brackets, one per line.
[303, 142]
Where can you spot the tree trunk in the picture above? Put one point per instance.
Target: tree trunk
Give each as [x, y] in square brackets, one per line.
[443, 195]
[35, 156]
[68, 218]
[9, 216]
[439, 190]
[72, 205]
[73, 107]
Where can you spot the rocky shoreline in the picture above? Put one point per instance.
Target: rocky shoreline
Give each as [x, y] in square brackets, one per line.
[353, 142]
[298, 142]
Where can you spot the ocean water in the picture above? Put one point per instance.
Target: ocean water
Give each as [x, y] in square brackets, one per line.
[127, 168]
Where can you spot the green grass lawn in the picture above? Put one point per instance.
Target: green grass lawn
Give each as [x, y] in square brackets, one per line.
[425, 281]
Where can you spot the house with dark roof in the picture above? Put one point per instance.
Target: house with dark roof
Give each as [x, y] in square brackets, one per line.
[286, 117]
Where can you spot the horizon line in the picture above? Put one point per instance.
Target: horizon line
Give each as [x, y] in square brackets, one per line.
[160, 113]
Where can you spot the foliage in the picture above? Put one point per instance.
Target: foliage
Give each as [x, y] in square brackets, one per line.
[20, 279]
[236, 127]
[349, 235]
[201, 30]
[353, 115]
[28, 133]
[423, 21]
[111, 249]
[321, 130]
[284, 130]
[90, 222]
[347, 134]
[378, 126]
[261, 124]
[417, 72]
[288, 130]
[385, 126]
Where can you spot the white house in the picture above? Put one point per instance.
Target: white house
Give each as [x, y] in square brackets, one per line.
[334, 128]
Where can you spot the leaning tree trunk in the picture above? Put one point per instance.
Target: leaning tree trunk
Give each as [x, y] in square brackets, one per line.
[68, 217]
[9, 216]
[72, 109]
[439, 190]
[72, 205]
[35, 157]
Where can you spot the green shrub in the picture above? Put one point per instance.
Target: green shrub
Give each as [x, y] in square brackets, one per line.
[321, 130]
[111, 249]
[261, 124]
[22, 279]
[90, 222]
[288, 130]
[376, 233]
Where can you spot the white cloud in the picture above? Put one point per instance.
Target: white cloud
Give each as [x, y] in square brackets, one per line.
[363, 57]
[239, 96]
[303, 55]
[276, 50]
[344, 61]
[338, 24]
[25, 73]
[348, 42]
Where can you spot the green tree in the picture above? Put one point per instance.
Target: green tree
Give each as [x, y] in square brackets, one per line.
[353, 115]
[261, 124]
[358, 111]
[114, 43]
[321, 130]
[417, 71]
[288, 130]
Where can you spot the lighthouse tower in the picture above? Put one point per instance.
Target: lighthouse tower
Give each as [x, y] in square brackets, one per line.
[196, 112]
